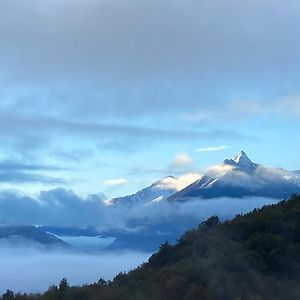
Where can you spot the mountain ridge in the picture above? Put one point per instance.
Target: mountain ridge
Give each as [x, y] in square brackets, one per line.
[240, 177]
[145, 195]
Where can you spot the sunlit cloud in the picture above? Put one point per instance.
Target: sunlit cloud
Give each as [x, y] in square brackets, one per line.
[179, 183]
[211, 149]
[182, 160]
[115, 182]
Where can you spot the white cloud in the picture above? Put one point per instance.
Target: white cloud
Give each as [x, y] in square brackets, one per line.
[196, 210]
[179, 183]
[210, 149]
[181, 160]
[64, 208]
[220, 170]
[115, 182]
[45, 269]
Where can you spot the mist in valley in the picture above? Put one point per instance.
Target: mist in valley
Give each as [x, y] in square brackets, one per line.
[32, 269]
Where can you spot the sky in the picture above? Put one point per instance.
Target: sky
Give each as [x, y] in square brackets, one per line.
[108, 96]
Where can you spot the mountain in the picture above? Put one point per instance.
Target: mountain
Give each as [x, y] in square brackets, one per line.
[145, 238]
[154, 193]
[70, 231]
[253, 256]
[240, 177]
[88, 240]
[25, 235]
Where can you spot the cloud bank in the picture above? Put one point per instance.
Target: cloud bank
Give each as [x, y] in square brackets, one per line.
[57, 207]
[61, 207]
[45, 269]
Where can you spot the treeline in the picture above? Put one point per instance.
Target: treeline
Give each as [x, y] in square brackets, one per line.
[253, 257]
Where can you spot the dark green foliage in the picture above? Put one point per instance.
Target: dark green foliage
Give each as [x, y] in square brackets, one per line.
[253, 257]
[210, 223]
[9, 295]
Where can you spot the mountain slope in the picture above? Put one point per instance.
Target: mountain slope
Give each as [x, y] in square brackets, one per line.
[157, 191]
[240, 177]
[255, 256]
[22, 235]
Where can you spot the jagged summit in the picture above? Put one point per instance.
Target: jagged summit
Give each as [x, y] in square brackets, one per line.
[241, 161]
[241, 156]
[240, 177]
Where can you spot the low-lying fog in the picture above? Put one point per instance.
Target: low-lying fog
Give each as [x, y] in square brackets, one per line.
[30, 270]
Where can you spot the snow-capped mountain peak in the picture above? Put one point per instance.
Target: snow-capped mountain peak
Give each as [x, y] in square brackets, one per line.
[240, 177]
[241, 157]
[241, 161]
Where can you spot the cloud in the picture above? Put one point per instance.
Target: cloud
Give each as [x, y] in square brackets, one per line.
[103, 83]
[182, 160]
[107, 61]
[115, 182]
[18, 124]
[210, 149]
[180, 182]
[194, 211]
[57, 207]
[18, 172]
[45, 269]
[19, 166]
[32, 136]
[220, 170]
[181, 163]
[60, 207]
[25, 177]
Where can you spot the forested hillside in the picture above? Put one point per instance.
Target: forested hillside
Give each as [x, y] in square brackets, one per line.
[254, 256]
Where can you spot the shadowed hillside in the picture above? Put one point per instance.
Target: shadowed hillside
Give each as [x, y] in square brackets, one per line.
[255, 256]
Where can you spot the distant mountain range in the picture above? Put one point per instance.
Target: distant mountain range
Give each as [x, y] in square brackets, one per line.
[235, 178]
[29, 235]
[240, 177]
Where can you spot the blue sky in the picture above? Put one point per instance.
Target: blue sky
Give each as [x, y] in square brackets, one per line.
[109, 95]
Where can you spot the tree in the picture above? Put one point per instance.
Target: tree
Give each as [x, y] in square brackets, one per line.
[63, 285]
[9, 295]
[210, 223]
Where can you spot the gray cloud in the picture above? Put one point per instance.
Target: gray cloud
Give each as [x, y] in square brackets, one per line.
[25, 177]
[105, 70]
[33, 137]
[19, 166]
[60, 207]
[118, 55]
[18, 172]
[14, 123]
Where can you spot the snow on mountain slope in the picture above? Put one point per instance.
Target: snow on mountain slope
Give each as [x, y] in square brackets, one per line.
[241, 161]
[240, 177]
[157, 192]
[29, 235]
